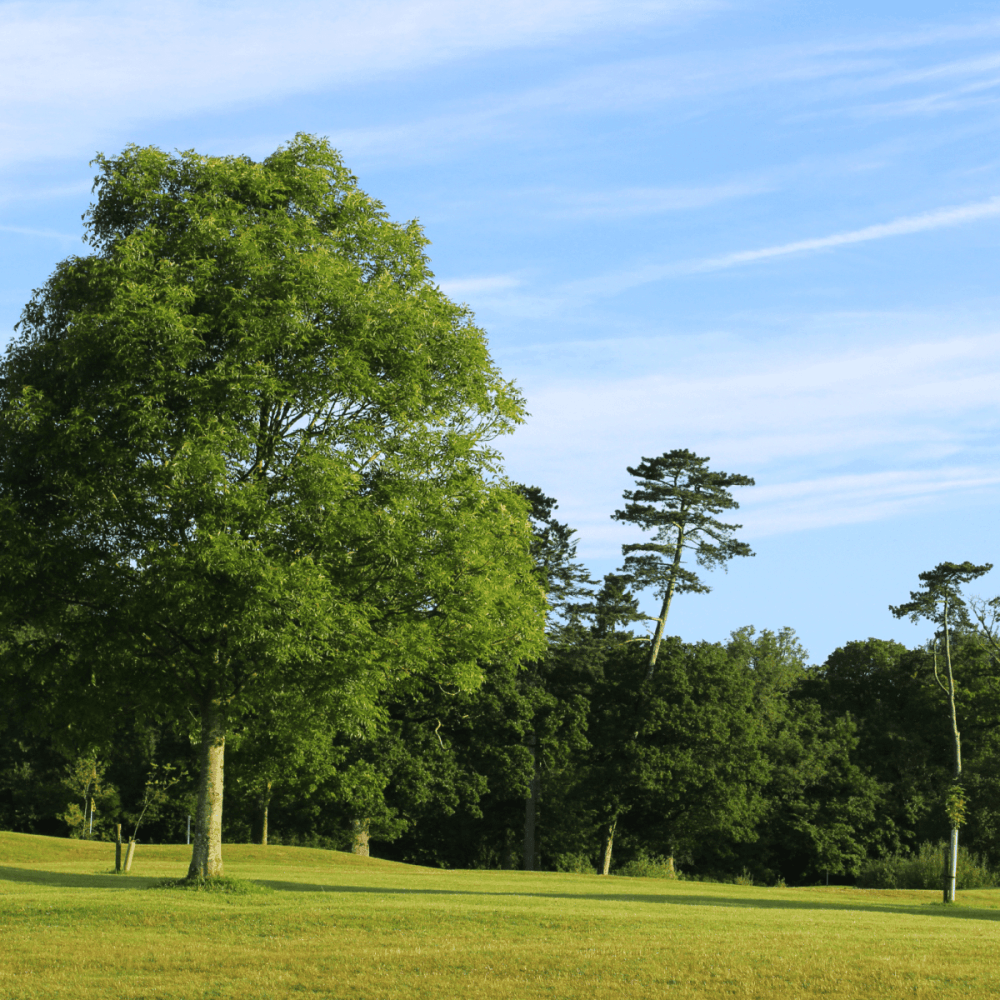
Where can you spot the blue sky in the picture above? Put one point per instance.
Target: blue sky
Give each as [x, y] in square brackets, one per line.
[764, 231]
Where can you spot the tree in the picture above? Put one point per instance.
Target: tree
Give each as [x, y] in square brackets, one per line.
[679, 497]
[555, 721]
[245, 448]
[940, 601]
[695, 767]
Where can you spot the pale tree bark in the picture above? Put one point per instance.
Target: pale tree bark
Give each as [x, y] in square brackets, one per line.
[951, 871]
[609, 843]
[206, 858]
[360, 832]
[265, 802]
[531, 808]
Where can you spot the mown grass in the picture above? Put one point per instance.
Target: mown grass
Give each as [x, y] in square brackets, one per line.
[361, 929]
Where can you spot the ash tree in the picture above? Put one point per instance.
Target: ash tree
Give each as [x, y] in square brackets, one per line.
[246, 451]
[940, 600]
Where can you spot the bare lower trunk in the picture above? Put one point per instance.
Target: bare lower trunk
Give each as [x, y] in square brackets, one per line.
[507, 854]
[130, 851]
[206, 858]
[531, 809]
[265, 802]
[951, 871]
[360, 829]
[609, 842]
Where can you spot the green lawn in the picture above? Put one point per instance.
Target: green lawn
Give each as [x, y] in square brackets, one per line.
[346, 927]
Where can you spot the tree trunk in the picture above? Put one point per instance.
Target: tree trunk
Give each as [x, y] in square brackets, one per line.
[507, 854]
[609, 841]
[360, 829]
[128, 856]
[206, 858]
[951, 872]
[265, 801]
[531, 808]
[661, 623]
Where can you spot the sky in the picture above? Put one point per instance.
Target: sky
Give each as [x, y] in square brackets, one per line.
[765, 231]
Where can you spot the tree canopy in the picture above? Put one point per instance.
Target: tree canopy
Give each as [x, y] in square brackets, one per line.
[245, 447]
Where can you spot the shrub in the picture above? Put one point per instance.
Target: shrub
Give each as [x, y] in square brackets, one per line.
[648, 866]
[579, 864]
[925, 870]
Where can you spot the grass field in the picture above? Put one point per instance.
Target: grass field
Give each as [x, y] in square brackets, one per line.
[362, 929]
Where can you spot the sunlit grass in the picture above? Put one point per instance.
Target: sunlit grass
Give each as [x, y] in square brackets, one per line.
[347, 927]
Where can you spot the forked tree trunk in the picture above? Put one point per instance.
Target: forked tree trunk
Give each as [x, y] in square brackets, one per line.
[360, 832]
[206, 858]
[609, 842]
[265, 802]
[531, 808]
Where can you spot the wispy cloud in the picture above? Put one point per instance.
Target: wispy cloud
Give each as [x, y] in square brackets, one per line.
[45, 234]
[833, 435]
[459, 287]
[69, 67]
[939, 218]
[854, 499]
[646, 201]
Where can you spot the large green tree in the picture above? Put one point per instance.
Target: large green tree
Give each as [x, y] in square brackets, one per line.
[245, 448]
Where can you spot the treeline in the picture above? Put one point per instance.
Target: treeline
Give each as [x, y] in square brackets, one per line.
[734, 758]
[257, 549]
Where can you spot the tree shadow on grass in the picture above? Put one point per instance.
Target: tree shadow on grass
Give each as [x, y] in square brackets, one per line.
[731, 902]
[70, 880]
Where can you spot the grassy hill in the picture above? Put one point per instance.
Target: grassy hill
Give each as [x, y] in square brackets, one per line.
[362, 929]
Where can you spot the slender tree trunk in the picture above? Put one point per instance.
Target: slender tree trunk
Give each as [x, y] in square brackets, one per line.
[609, 843]
[531, 808]
[206, 858]
[661, 623]
[360, 831]
[129, 852]
[507, 854]
[265, 801]
[951, 874]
